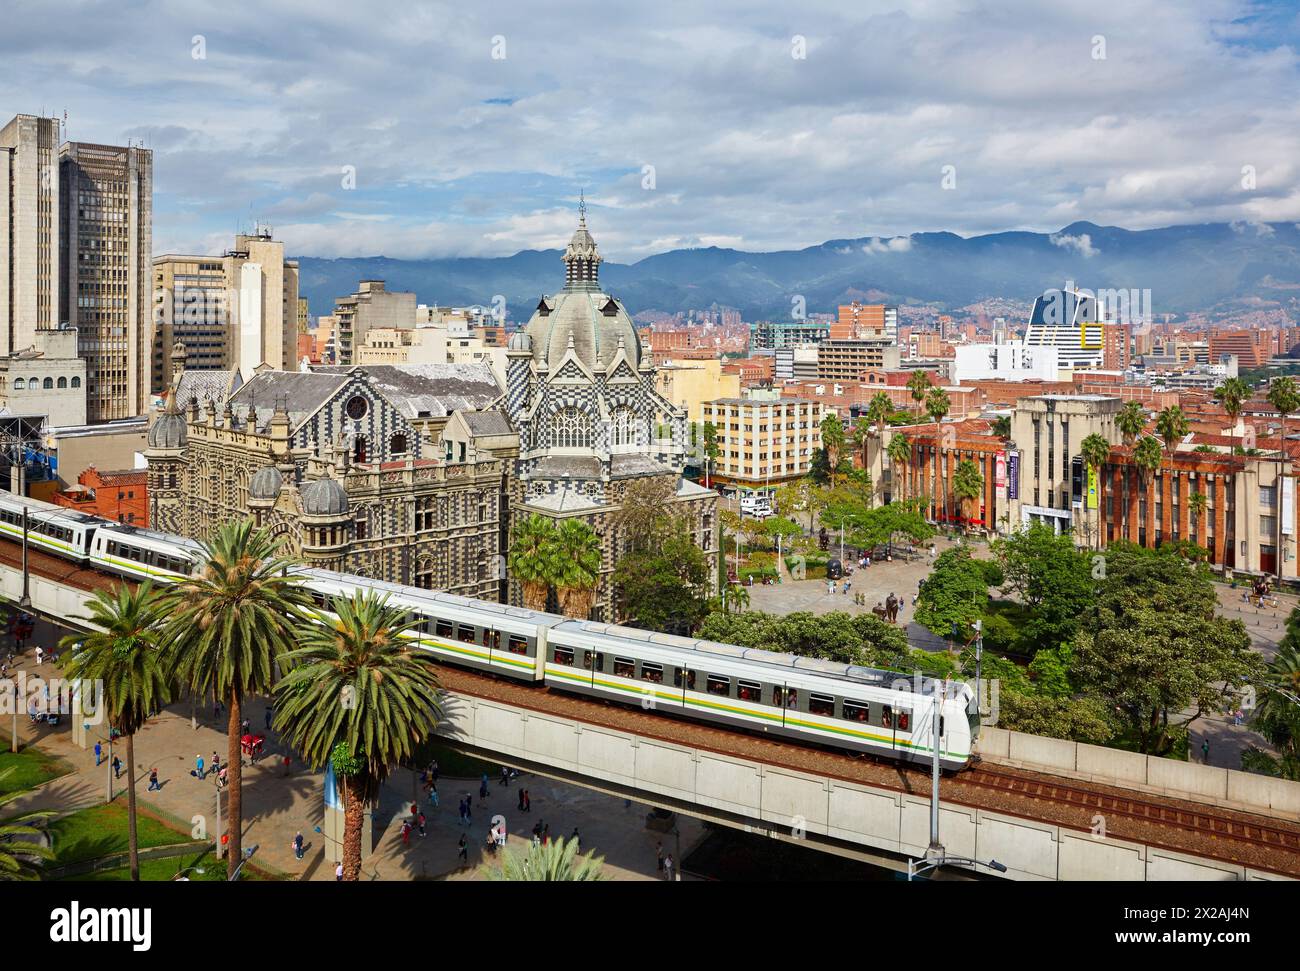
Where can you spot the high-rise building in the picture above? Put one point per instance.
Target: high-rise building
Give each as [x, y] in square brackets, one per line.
[373, 305]
[232, 312]
[29, 231]
[859, 321]
[105, 212]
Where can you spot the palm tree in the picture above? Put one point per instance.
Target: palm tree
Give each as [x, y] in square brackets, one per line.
[967, 485]
[1147, 456]
[557, 860]
[833, 442]
[361, 694]
[1232, 394]
[122, 654]
[937, 404]
[229, 625]
[1095, 451]
[1171, 425]
[578, 554]
[900, 453]
[532, 559]
[21, 852]
[1196, 503]
[1130, 420]
[919, 385]
[1284, 395]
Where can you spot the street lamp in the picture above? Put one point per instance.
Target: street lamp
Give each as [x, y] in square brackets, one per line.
[916, 867]
[25, 601]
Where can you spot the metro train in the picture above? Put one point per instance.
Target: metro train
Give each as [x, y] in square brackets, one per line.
[842, 706]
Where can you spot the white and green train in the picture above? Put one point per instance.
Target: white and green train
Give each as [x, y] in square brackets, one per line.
[838, 705]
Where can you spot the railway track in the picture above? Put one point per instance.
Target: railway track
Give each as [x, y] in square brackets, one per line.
[1238, 827]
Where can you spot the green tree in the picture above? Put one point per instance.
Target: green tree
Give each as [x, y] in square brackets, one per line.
[800, 496]
[1095, 451]
[1051, 576]
[361, 693]
[646, 513]
[1232, 395]
[1196, 504]
[937, 404]
[557, 860]
[833, 443]
[711, 450]
[1153, 647]
[228, 626]
[1171, 426]
[21, 848]
[919, 386]
[121, 653]
[1002, 426]
[1056, 716]
[578, 557]
[664, 588]
[532, 559]
[1130, 421]
[1284, 395]
[837, 636]
[1147, 456]
[967, 486]
[955, 592]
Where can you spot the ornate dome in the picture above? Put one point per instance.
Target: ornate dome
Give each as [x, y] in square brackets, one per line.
[324, 497]
[265, 483]
[595, 321]
[168, 430]
[519, 341]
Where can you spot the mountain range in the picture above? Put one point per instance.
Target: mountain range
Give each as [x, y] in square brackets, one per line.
[1208, 267]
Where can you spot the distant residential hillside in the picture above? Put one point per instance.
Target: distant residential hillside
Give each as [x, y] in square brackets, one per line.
[1213, 266]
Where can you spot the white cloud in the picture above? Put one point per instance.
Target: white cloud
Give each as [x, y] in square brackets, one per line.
[1081, 244]
[899, 244]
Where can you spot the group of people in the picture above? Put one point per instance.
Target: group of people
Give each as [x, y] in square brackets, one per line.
[665, 862]
[202, 771]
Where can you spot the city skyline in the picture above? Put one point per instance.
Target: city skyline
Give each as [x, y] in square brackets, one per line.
[472, 133]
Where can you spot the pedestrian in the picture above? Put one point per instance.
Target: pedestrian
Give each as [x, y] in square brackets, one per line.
[98, 754]
[216, 763]
[521, 800]
[462, 850]
[153, 781]
[830, 586]
[198, 767]
[269, 712]
[483, 787]
[528, 801]
[574, 838]
[243, 727]
[433, 796]
[406, 832]
[216, 707]
[117, 767]
[338, 872]
[286, 765]
[546, 832]
[505, 776]
[1205, 751]
[40, 655]
[420, 822]
[659, 857]
[415, 812]
[297, 845]
[461, 811]
[433, 771]
[537, 833]
[668, 867]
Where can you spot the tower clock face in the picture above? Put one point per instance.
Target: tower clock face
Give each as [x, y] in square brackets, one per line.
[357, 407]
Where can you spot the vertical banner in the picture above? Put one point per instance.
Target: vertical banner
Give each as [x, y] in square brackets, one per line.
[1013, 475]
[1092, 487]
[1000, 470]
[1288, 506]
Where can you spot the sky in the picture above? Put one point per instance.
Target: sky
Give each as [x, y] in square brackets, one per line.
[418, 130]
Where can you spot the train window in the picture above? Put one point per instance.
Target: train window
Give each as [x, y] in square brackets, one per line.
[821, 704]
[904, 721]
[749, 691]
[652, 672]
[785, 697]
[444, 628]
[624, 667]
[942, 732]
[887, 716]
[593, 660]
[492, 639]
[564, 655]
[857, 711]
[517, 645]
[718, 686]
[466, 634]
[690, 678]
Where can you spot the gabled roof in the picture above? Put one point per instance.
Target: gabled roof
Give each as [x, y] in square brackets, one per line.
[428, 390]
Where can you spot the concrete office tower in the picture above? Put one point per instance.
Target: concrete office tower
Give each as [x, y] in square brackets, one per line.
[373, 305]
[106, 215]
[29, 231]
[231, 312]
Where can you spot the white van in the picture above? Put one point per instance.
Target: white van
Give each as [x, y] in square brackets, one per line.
[755, 505]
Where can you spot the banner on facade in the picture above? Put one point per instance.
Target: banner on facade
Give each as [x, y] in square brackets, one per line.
[1288, 506]
[1000, 470]
[1092, 487]
[1013, 475]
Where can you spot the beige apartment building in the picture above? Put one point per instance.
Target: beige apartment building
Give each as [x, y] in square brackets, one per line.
[231, 312]
[106, 241]
[29, 231]
[373, 305]
[845, 360]
[428, 345]
[763, 443]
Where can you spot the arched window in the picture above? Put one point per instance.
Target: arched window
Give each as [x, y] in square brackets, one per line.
[482, 565]
[241, 489]
[625, 428]
[424, 572]
[363, 523]
[63, 383]
[397, 444]
[360, 450]
[570, 428]
[48, 384]
[20, 384]
[76, 382]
